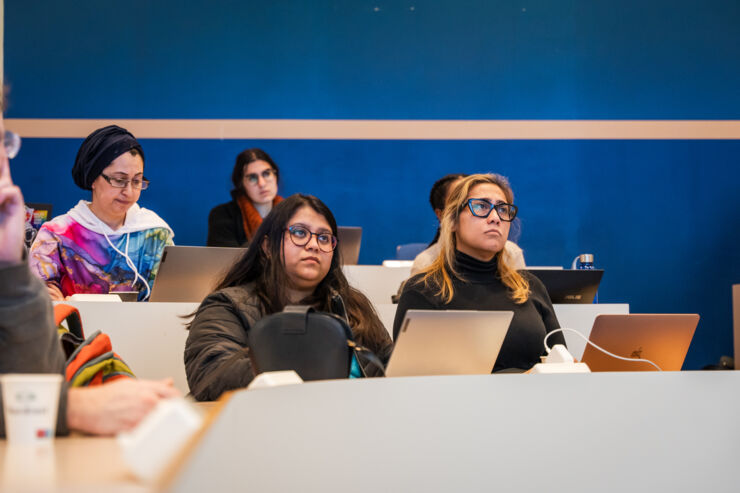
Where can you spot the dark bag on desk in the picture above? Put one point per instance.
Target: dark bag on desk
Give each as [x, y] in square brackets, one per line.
[317, 345]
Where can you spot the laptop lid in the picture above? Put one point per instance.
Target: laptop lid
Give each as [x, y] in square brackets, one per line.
[448, 342]
[663, 339]
[570, 285]
[349, 239]
[189, 273]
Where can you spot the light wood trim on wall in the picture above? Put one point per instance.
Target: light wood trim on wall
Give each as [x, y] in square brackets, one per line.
[387, 129]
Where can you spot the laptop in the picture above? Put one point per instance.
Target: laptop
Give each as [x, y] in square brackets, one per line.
[570, 285]
[448, 342]
[36, 215]
[663, 339]
[349, 239]
[189, 273]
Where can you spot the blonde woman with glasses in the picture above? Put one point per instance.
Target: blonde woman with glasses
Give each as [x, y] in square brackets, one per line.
[473, 271]
[108, 244]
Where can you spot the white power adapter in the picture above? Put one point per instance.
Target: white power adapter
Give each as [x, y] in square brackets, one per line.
[559, 360]
[151, 446]
[274, 379]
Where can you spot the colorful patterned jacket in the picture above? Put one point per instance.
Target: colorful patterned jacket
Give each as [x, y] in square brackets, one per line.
[81, 254]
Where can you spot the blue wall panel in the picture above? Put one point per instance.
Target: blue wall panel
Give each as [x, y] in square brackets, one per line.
[342, 59]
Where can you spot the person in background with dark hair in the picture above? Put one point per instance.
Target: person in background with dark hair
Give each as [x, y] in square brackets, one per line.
[438, 198]
[110, 243]
[293, 261]
[29, 342]
[474, 272]
[255, 178]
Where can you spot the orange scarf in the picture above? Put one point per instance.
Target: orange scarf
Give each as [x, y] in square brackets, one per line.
[250, 216]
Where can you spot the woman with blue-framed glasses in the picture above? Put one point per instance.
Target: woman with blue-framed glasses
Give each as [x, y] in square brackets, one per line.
[474, 271]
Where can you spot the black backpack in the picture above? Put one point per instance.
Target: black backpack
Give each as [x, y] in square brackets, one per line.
[317, 345]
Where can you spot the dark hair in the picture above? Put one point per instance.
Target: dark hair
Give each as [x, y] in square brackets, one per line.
[439, 190]
[246, 157]
[258, 265]
[438, 194]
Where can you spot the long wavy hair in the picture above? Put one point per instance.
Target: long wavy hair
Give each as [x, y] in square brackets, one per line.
[439, 273]
[258, 265]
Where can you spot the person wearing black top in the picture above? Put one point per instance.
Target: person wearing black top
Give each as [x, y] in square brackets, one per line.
[473, 272]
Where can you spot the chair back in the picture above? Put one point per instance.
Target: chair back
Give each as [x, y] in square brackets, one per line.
[409, 251]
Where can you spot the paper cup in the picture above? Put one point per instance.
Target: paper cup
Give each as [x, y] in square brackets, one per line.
[30, 403]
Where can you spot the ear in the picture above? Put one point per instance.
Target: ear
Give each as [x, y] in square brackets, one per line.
[266, 246]
[438, 213]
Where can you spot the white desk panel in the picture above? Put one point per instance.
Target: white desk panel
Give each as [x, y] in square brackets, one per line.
[621, 432]
[150, 337]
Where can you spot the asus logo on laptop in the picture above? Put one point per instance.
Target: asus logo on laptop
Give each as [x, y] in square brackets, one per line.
[573, 297]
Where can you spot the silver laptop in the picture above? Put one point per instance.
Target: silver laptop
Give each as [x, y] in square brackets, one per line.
[448, 342]
[349, 239]
[189, 273]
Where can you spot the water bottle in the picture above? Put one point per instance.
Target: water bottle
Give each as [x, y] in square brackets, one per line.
[584, 261]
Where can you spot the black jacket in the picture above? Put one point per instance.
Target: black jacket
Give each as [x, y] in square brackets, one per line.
[226, 226]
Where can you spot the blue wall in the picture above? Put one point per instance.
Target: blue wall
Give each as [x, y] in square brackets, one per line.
[661, 216]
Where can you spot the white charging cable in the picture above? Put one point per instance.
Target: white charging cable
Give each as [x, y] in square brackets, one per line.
[564, 329]
[130, 263]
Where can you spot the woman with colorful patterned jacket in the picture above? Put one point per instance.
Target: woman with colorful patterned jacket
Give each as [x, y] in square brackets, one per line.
[110, 243]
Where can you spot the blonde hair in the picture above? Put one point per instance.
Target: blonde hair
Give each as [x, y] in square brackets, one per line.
[439, 272]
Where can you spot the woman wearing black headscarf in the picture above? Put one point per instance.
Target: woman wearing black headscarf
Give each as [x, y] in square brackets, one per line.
[110, 243]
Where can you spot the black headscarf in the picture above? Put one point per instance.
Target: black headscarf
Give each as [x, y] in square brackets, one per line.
[98, 150]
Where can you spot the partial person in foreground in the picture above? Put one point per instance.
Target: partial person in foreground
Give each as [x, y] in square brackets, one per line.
[29, 341]
[438, 199]
[474, 272]
[255, 178]
[110, 243]
[294, 261]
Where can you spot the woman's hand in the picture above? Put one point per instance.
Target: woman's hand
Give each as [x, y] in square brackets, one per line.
[54, 292]
[117, 406]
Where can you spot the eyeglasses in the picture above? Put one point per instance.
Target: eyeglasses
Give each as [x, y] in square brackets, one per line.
[12, 143]
[136, 183]
[300, 236]
[483, 208]
[254, 178]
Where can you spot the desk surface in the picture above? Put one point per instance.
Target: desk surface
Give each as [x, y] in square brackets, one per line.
[76, 463]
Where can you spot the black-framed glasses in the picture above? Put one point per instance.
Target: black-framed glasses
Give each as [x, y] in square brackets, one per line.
[301, 235]
[12, 143]
[483, 208]
[136, 183]
[254, 178]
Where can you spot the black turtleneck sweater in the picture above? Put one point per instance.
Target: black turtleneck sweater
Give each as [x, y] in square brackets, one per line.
[479, 288]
